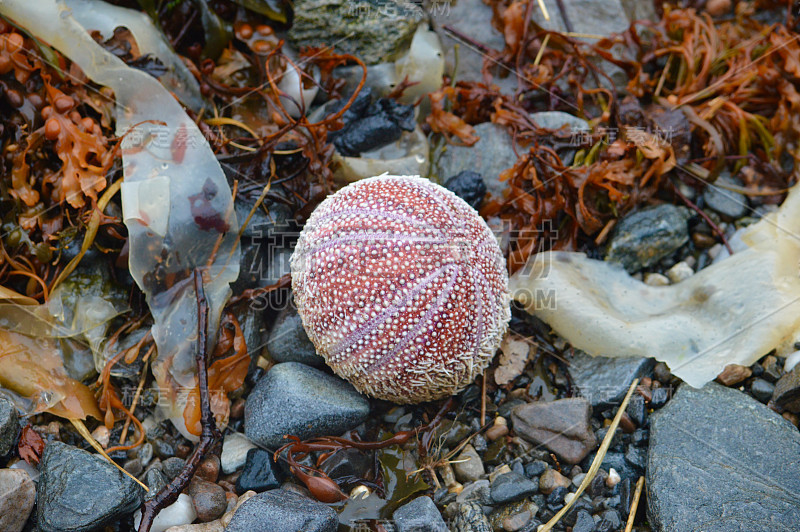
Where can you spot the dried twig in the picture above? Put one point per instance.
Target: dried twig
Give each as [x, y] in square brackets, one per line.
[210, 434]
[635, 504]
[598, 459]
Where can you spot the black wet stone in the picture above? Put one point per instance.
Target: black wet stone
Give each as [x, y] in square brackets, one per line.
[283, 511]
[296, 399]
[604, 381]
[510, 487]
[762, 390]
[610, 522]
[469, 186]
[419, 515]
[81, 492]
[288, 341]
[383, 122]
[347, 463]
[584, 522]
[636, 457]
[154, 479]
[260, 472]
[720, 458]
[556, 498]
[172, 467]
[659, 397]
[637, 410]
[9, 425]
[535, 468]
[645, 237]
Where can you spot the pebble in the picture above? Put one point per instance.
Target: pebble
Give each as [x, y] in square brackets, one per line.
[296, 399]
[172, 467]
[562, 426]
[644, 237]
[80, 492]
[469, 186]
[492, 154]
[234, 452]
[727, 203]
[288, 341]
[604, 381]
[419, 515]
[718, 456]
[468, 517]
[610, 521]
[584, 522]
[613, 478]
[762, 390]
[9, 425]
[733, 374]
[656, 279]
[209, 468]
[208, 499]
[17, 495]
[637, 410]
[219, 524]
[772, 368]
[134, 467]
[498, 429]
[512, 487]
[479, 490]
[787, 391]
[260, 472]
[552, 479]
[347, 463]
[282, 510]
[660, 397]
[680, 272]
[559, 119]
[468, 465]
[535, 468]
[154, 479]
[180, 512]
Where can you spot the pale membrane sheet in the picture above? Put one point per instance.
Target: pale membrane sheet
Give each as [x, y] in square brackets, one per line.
[177, 204]
[733, 312]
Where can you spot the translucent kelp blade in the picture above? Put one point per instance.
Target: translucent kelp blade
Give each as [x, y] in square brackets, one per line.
[32, 368]
[105, 18]
[733, 312]
[177, 204]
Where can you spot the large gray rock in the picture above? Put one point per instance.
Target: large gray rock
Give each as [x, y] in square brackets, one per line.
[17, 495]
[721, 461]
[644, 237]
[81, 492]
[373, 30]
[283, 511]
[605, 381]
[9, 425]
[288, 341]
[492, 154]
[562, 426]
[419, 515]
[295, 399]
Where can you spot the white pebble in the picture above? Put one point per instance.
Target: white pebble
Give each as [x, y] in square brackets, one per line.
[613, 478]
[234, 452]
[181, 512]
[655, 279]
[568, 497]
[680, 272]
[791, 361]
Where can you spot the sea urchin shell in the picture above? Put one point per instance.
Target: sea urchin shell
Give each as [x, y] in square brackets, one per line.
[401, 287]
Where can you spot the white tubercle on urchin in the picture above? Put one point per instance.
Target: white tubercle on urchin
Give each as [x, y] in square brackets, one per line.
[401, 287]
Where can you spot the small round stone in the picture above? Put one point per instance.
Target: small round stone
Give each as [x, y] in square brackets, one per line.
[401, 287]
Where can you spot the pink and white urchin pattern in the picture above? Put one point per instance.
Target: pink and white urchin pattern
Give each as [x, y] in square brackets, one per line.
[401, 287]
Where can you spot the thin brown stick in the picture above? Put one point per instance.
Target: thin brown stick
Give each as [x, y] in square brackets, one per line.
[714, 227]
[634, 504]
[210, 433]
[483, 400]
